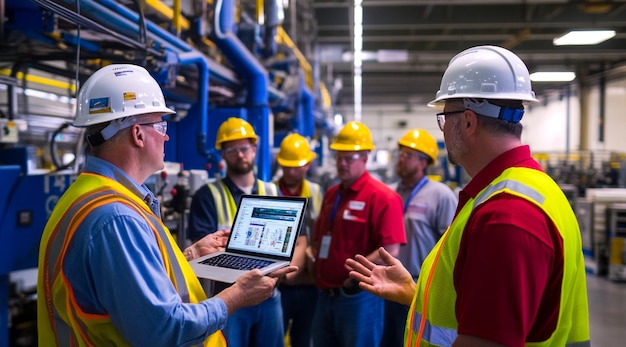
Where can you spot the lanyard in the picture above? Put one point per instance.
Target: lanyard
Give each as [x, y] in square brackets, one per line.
[333, 212]
[416, 189]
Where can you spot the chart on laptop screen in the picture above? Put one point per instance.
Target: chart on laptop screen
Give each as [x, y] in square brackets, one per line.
[266, 226]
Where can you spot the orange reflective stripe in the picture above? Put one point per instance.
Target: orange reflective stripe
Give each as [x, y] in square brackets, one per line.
[69, 324]
[62, 234]
[418, 338]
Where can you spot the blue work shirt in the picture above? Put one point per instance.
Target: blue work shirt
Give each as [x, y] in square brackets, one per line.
[115, 267]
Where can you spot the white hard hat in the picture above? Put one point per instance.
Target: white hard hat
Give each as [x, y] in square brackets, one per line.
[116, 93]
[485, 72]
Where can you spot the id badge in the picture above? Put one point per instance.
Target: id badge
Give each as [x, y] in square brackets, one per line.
[324, 247]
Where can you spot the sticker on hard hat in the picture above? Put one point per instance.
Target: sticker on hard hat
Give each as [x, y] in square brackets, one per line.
[122, 73]
[130, 96]
[99, 105]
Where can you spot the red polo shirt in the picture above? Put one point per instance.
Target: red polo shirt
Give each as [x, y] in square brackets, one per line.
[368, 215]
[510, 264]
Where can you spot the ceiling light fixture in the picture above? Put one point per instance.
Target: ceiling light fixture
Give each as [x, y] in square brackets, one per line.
[358, 58]
[583, 37]
[560, 76]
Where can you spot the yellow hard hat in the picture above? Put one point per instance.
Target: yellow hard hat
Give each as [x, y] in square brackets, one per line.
[421, 140]
[234, 129]
[354, 136]
[295, 151]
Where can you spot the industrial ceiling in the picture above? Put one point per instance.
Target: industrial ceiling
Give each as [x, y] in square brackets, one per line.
[425, 32]
[430, 32]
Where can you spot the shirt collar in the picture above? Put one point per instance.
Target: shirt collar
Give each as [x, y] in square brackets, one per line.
[234, 189]
[359, 183]
[516, 157]
[106, 169]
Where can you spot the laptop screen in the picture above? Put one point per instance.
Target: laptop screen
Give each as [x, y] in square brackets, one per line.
[267, 225]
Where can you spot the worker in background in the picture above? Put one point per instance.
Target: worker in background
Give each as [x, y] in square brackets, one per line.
[429, 207]
[358, 215]
[109, 271]
[213, 207]
[509, 271]
[298, 291]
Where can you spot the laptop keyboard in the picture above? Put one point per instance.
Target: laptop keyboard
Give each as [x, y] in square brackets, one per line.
[236, 262]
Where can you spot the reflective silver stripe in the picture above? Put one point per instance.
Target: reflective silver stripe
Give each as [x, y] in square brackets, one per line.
[62, 331]
[316, 196]
[181, 283]
[511, 185]
[222, 218]
[154, 221]
[434, 334]
[270, 188]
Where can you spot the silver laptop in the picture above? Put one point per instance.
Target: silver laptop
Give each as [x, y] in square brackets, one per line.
[263, 236]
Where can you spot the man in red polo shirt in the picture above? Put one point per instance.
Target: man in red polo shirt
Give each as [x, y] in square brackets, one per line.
[509, 270]
[358, 215]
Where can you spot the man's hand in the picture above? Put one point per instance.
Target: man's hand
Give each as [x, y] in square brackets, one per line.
[209, 244]
[390, 281]
[252, 288]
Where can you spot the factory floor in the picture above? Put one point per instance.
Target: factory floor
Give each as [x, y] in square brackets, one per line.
[607, 311]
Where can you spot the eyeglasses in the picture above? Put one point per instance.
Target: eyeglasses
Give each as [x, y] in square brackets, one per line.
[160, 127]
[348, 159]
[234, 151]
[441, 117]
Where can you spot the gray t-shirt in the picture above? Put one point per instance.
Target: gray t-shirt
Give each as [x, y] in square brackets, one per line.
[426, 218]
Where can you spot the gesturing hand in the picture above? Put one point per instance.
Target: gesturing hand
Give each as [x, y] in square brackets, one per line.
[390, 281]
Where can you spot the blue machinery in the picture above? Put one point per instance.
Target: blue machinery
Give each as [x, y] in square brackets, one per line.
[191, 78]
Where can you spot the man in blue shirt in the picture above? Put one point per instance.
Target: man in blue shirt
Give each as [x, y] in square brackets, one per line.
[109, 271]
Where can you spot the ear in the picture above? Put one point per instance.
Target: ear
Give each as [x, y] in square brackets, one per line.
[138, 136]
[469, 122]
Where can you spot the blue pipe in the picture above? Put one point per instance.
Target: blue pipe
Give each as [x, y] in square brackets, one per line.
[187, 56]
[271, 25]
[154, 30]
[121, 18]
[308, 104]
[203, 95]
[256, 76]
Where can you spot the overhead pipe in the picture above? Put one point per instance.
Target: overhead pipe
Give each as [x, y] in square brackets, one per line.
[159, 34]
[189, 56]
[254, 73]
[217, 71]
[112, 12]
[271, 26]
[203, 97]
[76, 18]
[117, 16]
[307, 99]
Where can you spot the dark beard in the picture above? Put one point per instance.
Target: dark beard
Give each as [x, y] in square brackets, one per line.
[241, 169]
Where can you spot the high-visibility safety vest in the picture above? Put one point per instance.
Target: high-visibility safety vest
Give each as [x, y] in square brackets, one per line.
[225, 202]
[313, 191]
[431, 320]
[61, 321]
